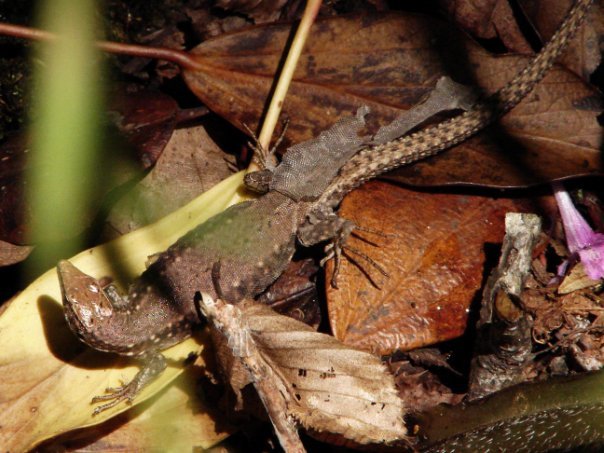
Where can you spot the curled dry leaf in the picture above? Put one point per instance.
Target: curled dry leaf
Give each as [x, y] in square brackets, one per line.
[389, 62]
[323, 384]
[46, 377]
[504, 349]
[434, 255]
[584, 55]
[489, 19]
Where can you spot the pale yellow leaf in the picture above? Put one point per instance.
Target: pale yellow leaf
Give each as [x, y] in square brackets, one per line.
[47, 378]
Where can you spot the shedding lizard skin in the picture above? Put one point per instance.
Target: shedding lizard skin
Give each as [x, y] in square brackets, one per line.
[238, 253]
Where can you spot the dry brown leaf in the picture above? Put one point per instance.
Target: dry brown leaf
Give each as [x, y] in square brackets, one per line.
[435, 262]
[420, 388]
[190, 164]
[552, 134]
[489, 19]
[259, 10]
[353, 61]
[576, 279]
[325, 385]
[584, 54]
[146, 118]
[11, 253]
[294, 293]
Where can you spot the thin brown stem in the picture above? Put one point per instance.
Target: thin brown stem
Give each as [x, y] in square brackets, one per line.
[180, 57]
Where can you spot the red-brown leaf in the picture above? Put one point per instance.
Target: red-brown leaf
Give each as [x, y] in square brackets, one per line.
[435, 263]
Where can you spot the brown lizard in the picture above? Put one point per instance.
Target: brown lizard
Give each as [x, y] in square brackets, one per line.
[238, 253]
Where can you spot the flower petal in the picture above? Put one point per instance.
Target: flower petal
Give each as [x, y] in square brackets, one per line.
[578, 232]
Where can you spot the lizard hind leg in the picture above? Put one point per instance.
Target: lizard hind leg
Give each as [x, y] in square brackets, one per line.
[154, 365]
[337, 231]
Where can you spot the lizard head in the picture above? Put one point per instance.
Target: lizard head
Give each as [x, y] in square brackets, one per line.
[86, 304]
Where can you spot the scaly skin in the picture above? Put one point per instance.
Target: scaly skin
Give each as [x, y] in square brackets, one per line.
[374, 161]
[240, 252]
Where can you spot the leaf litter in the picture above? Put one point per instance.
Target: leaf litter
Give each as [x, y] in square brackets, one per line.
[573, 349]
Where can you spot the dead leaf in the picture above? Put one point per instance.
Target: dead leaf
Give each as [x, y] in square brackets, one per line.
[46, 377]
[367, 60]
[146, 118]
[294, 293]
[576, 279]
[12, 254]
[552, 134]
[191, 164]
[421, 389]
[323, 384]
[503, 353]
[259, 10]
[583, 55]
[488, 19]
[175, 420]
[435, 260]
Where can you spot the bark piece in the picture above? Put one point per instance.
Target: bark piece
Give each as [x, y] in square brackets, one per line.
[504, 344]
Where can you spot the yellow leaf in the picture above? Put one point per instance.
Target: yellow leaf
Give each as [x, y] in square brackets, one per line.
[47, 377]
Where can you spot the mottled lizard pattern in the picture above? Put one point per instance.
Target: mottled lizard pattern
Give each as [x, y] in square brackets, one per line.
[238, 253]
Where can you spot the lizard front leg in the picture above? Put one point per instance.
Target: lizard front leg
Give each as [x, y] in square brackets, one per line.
[108, 322]
[154, 365]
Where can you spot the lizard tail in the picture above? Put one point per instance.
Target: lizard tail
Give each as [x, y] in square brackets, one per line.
[373, 161]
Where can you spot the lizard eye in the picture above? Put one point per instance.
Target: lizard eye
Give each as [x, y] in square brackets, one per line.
[93, 288]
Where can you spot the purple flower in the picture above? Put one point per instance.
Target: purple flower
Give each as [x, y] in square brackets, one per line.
[580, 238]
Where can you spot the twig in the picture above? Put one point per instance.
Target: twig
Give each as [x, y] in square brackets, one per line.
[285, 78]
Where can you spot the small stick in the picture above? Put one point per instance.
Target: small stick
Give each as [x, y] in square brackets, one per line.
[180, 57]
[285, 78]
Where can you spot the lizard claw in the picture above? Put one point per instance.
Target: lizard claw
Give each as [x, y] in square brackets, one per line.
[116, 395]
[155, 365]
